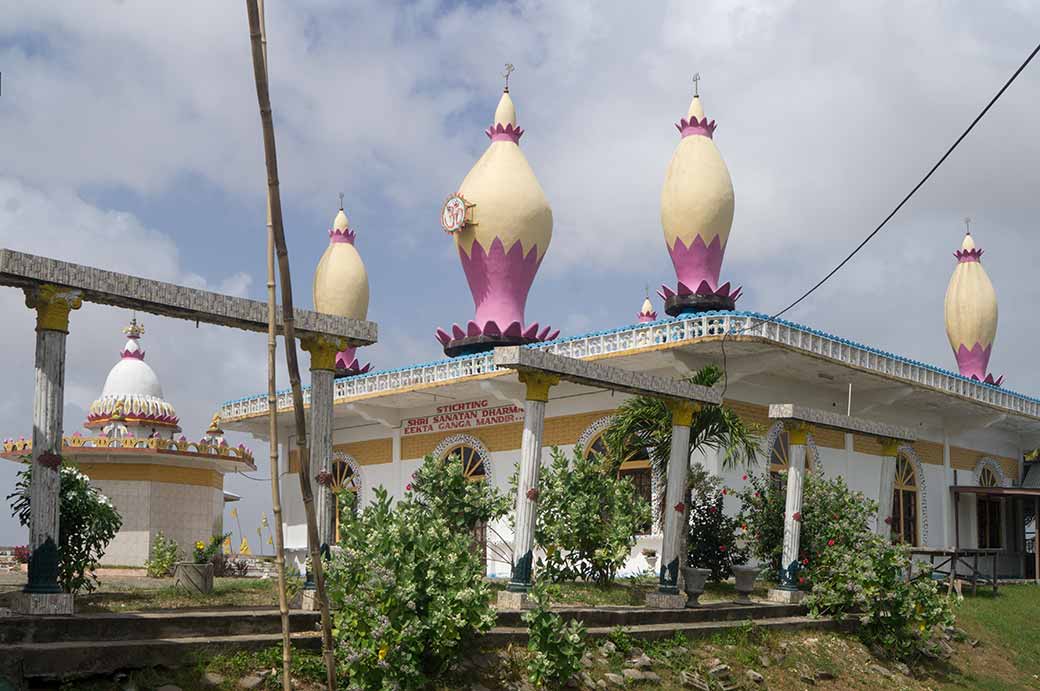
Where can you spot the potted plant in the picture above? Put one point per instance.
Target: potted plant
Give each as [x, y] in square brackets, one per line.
[197, 576]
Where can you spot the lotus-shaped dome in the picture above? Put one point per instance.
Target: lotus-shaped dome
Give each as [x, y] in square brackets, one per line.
[504, 238]
[697, 212]
[971, 313]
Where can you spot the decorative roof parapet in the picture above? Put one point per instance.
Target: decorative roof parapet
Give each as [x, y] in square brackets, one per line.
[827, 418]
[12, 449]
[688, 328]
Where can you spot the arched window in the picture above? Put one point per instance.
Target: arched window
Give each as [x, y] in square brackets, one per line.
[780, 453]
[473, 469]
[904, 503]
[990, 512]
[344, 477]
[635, 467]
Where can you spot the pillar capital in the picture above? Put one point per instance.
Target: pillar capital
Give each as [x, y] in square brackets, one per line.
[889, 446]
[538, 384]
[52, 305]
[323, 350]
[798, 432]
[682, 411]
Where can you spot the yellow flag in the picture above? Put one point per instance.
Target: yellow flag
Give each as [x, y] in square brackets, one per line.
[234, 512]
[270, 541]
[244, 547]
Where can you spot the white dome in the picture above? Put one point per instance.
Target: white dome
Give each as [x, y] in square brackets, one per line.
[132, 376]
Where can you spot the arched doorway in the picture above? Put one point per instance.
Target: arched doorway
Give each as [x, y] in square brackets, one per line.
[904, 503]
[990, 511]
[779, 444]
[635, 467]
[346, 476]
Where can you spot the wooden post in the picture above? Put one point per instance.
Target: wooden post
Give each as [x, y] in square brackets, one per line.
[42, 593]
[675, 509]
[537, 395]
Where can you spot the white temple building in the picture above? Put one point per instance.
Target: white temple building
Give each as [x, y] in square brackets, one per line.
[133, 453]
[971, 432]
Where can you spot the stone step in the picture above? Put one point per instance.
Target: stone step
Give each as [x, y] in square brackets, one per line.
[637, 616]
[504, 635]
[78, 659]
[151, 625]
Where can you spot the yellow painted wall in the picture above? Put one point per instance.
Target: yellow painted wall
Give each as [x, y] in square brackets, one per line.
[142, 472]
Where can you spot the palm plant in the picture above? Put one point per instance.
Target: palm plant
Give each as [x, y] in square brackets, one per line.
[644, 424]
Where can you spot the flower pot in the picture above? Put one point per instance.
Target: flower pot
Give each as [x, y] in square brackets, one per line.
[693, 583]
[745, 577]
[195, 578]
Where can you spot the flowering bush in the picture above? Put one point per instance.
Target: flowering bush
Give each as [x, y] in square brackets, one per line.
[164, 555]
[587, 518]
[205, 551]
[713, 540]
[831, 514]
[867, 579]
[444, 490]
[406, 586]
[87, 523]
[21, 554]
[556, 648]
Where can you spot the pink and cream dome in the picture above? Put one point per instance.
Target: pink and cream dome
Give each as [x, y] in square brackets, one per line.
[696, 214]
[132, 395]
[646, 312]
[502, 226]
[341, 285]
[971, 313]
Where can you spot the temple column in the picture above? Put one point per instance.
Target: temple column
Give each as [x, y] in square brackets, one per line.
[790, 564]
[323, 370]
[42, 593]
[675, 509]
[536, 397]
[889, 452]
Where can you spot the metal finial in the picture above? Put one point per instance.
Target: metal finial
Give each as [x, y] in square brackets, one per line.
[341, 201]
[509, 70]
[696, 78]
[967, 225]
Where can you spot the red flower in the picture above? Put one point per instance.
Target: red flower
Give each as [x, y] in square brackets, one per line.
[680, 507]
[744, 527]
[744, 476]
[532, 494]
[722, 548]
[830, 543]
[723, 491]
[888, 520]
[711, 509]
[758, 494]
[805, 562]
[408, 487]
[801, 579]
[797, 515]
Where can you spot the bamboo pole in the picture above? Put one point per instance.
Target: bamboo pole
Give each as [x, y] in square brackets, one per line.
[272, 407]
[278, 233]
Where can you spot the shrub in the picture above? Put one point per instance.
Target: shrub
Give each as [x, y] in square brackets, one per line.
[21, 554]
[587, 518]
[867, 578]
[406, 586]
[712, 542]
[204, 552]
[556, 648]
[165, 554]
[831, 513]
[87, 523]
[443, 489]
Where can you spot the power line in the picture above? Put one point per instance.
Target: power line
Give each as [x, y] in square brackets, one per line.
[894, 211]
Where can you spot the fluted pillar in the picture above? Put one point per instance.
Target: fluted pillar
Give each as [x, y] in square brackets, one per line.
[536, 397]
[790, 564]
[675, 509]
[889, 452]
[323, 366]
[42, 593]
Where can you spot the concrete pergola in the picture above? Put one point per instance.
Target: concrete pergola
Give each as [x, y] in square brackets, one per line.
[54, 289]
[799, 423]
[539, 371]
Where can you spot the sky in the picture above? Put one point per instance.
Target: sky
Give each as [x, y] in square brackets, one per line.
[131, 141]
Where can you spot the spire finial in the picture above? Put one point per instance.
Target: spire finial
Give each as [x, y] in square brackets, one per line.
[696, 86]
[967, 225]
[341, 201]
[508, 71]
[135, 330]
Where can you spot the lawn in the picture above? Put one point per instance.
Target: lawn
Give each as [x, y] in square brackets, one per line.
[151, 594]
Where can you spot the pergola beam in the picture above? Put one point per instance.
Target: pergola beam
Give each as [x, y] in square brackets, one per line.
[825, 418]
[21, 270]
[596, 375]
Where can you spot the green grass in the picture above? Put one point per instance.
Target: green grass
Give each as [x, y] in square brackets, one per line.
[1008, 621]
[227, 592]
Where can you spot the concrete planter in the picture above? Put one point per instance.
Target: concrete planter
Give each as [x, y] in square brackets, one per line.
[195, 578]
[693, 583]
[745, 577]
